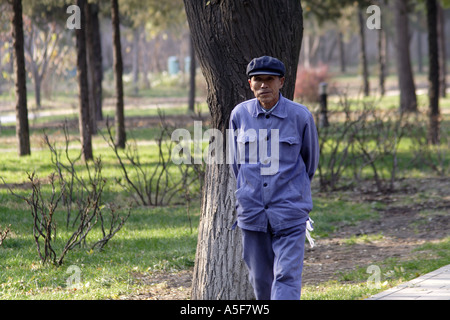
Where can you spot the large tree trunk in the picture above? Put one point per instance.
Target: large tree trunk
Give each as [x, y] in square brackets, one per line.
[82, 73]
[118, 71]
[226, 36]
[22, 127]
[408, 99]
[192, 73]
[433, 72]
[219, 273]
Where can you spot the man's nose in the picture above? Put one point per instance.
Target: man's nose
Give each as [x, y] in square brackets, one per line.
[263, 85]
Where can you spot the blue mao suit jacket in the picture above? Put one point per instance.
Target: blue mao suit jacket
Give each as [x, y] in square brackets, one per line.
[274, 157]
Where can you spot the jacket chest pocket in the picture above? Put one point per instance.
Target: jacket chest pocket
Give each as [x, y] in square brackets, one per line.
[289, 149]
[247, 147]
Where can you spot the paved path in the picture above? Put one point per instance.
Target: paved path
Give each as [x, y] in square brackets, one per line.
[431, 286]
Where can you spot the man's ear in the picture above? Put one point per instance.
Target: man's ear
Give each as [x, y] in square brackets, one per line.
[282, 81]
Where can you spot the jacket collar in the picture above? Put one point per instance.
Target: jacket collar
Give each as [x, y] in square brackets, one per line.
[279, 111]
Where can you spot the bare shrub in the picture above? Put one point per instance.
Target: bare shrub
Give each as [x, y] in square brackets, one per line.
[426, 154]
[160, 183]
[79, 197]
[361, 138]
[377, 138]
[4, 233]
[337, 137]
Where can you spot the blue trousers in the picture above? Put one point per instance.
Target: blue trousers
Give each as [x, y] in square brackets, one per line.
[275, 262]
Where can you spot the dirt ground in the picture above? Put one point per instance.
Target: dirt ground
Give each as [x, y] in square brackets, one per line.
[405, 223]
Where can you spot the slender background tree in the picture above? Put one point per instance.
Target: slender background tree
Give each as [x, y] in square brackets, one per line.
[82, 74]
[408, 98]
[118, 71]
[433, 70]
[363, 50]
[22, 126]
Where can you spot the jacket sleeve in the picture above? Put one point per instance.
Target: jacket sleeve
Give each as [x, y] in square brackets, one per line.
[310, 147]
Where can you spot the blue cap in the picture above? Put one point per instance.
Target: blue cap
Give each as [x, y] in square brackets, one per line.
[265, 65]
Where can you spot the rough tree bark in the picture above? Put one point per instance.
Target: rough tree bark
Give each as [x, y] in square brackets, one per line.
[118, 71]
[408, 98]
[82, 73]
[226, 35]
[192, 73]
[433, 71]
[22, 126]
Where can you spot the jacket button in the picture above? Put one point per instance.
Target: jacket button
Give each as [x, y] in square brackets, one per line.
[265, 185]
[266, 207]
[267, 116]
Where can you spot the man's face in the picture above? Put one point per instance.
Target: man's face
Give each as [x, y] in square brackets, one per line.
[266, 89]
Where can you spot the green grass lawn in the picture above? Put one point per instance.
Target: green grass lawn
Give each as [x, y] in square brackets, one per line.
[153, 240]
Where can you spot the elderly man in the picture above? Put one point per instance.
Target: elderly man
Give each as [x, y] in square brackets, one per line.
[274, 153]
